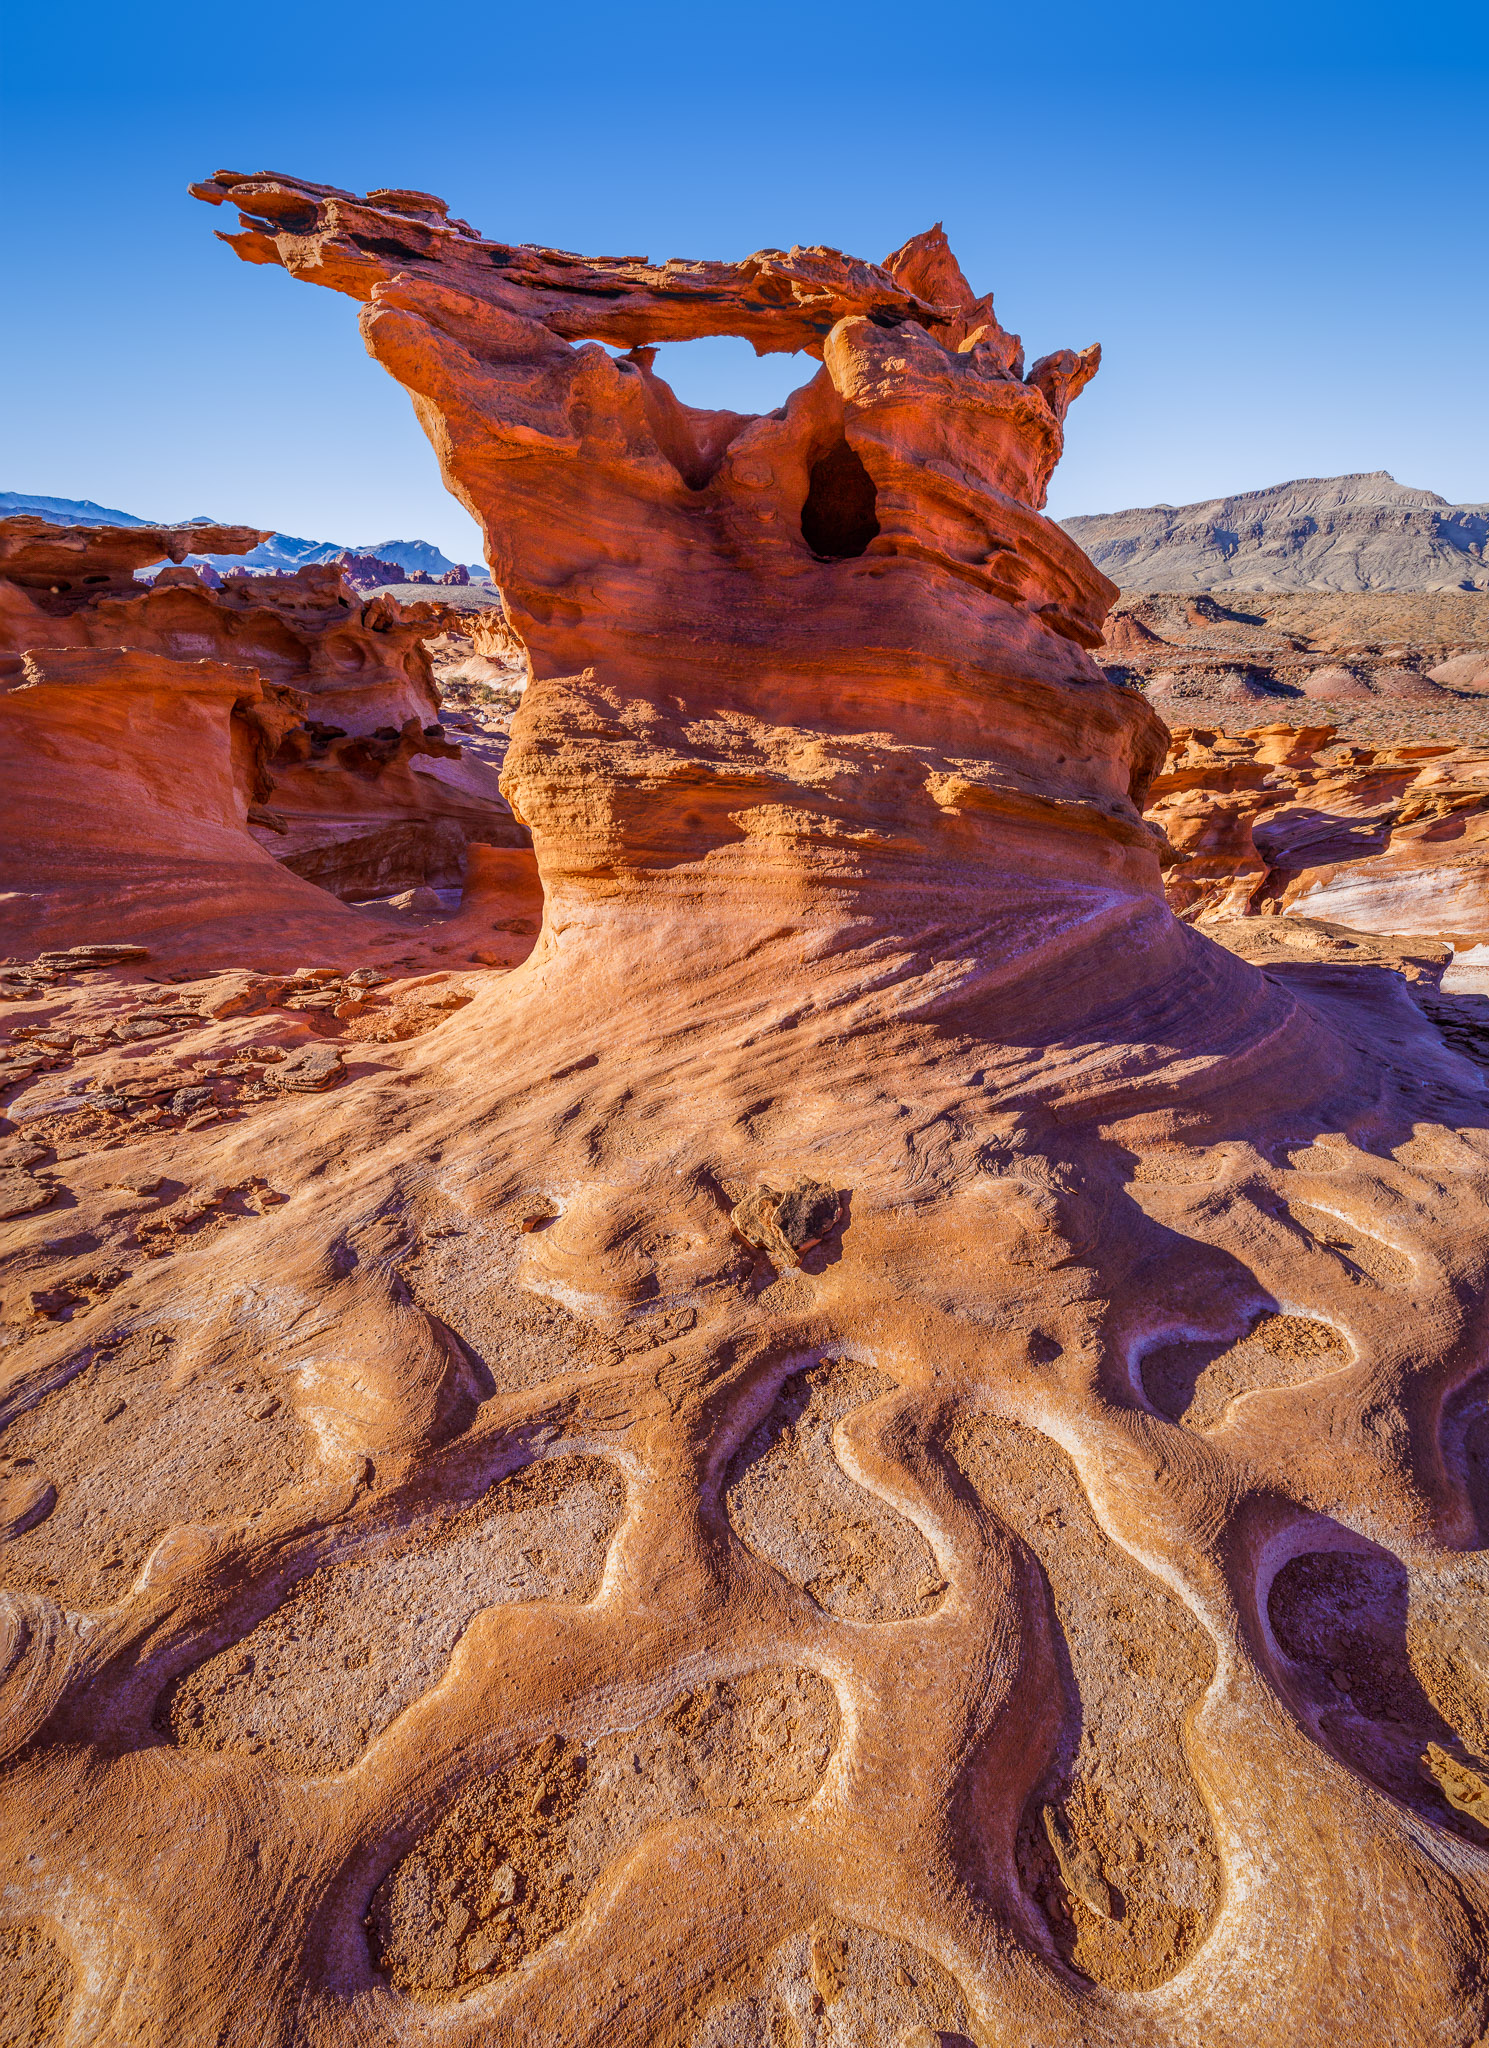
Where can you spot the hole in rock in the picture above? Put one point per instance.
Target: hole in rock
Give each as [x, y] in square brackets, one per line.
[722, 373]
[839, 519]
[384, 858]
[694, 427]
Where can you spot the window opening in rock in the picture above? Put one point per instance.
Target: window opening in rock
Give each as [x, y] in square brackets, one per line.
[838, 519]
[695, 438]
[721, 372]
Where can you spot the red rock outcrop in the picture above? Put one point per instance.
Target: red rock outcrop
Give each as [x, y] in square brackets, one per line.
[324, 750]
[619, 1618]
[69, 572]
[1276, 819]
[367, 572]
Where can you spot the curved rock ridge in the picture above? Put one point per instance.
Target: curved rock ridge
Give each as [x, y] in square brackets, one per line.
[510, 1863]
[790, 1499]
[323, 1674]
[962, 1665]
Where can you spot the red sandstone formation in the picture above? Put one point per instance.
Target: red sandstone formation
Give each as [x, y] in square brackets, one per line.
[480, 1571]
[71, 572]
[322, 750]
[367, 572]
[1388, 840]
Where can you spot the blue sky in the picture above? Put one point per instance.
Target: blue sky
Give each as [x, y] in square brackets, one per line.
[1271, 217]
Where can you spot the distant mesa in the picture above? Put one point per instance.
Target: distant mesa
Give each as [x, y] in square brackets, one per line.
[1349, 533]
[397, 561]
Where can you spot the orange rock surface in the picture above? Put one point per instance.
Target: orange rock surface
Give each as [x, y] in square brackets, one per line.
[1389, 840]
[183, 763]
[881, 1442]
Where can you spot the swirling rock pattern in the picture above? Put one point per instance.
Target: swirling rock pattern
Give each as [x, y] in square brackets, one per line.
[832, 1986]
[510, 1864]
[791, 1501]
[355, 1643]
[844, 880]
[1115, 1844]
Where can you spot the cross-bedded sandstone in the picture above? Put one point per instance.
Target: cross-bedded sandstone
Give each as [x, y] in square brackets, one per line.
[1034, 1599]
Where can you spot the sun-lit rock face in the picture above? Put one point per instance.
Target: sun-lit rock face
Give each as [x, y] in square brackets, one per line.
[835, 649]
[208, 763]
[881, 1443]
[1279, 820]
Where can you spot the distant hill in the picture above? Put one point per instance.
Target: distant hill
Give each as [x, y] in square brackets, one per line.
[1320, 533]
[416, 554]
[66, 511]
[280, 551]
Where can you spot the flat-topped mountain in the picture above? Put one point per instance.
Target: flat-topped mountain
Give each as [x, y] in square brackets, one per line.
[1318, 533]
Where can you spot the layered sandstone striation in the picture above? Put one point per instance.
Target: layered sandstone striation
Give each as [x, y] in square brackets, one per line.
[184, 755]
[1288, 846]
[881, 1442]
[1286, 820]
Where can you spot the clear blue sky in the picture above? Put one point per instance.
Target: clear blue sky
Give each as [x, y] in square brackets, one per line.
[1272, 217]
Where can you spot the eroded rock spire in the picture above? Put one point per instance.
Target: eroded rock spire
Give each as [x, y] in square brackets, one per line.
[842, 632]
